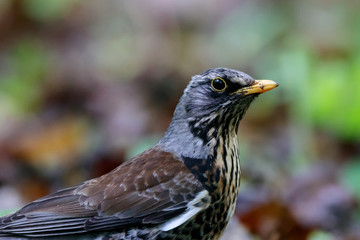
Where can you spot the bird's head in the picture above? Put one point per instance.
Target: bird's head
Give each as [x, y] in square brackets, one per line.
[220, 92]
[215, 99]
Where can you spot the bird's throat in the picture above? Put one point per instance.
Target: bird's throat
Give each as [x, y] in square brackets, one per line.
[199, 137]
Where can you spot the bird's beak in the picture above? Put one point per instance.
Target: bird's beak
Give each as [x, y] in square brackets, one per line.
[259, 86]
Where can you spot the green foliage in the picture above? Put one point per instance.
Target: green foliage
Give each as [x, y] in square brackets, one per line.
[47, 10]
[141, 146]
[323, 93]
[21, 83]
[238, 39]
[350, 177]
[5, 212]
[335, 97]
[319, 235]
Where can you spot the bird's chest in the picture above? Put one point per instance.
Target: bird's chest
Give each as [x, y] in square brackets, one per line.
[226, 190]
[222, 181]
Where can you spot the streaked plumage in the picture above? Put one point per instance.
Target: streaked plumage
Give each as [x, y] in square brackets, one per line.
[185, 187]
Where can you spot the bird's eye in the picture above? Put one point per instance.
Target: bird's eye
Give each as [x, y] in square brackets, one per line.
[218, 84]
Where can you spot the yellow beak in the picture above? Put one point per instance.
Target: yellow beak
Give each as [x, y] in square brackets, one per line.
[259, 86]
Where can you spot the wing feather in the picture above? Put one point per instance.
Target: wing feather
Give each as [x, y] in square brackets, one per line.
[126, 197]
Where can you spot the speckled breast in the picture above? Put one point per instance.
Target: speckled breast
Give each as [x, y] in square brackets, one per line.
[222, 182]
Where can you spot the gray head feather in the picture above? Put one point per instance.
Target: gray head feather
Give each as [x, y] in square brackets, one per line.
[201, 107]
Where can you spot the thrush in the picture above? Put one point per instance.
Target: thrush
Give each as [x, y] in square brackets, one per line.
[184, 187]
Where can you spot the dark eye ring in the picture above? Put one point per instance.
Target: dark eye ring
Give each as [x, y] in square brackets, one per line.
[218, 84]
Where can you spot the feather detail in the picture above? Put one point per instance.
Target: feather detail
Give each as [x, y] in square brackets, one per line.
[125, 197]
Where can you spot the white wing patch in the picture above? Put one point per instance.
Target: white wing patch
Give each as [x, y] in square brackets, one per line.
[200, 202]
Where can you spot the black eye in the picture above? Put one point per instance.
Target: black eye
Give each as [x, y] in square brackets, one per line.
[218, 84]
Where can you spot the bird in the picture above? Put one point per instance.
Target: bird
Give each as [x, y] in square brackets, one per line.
[184, 187]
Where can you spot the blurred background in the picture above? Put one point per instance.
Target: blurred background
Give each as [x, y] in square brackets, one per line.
[85, 85]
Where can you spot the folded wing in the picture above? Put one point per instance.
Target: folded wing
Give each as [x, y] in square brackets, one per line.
[154, 189]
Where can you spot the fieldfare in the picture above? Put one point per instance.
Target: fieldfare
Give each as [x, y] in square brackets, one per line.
[185, 187]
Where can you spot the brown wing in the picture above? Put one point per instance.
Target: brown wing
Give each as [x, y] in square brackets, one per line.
[148, 190]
